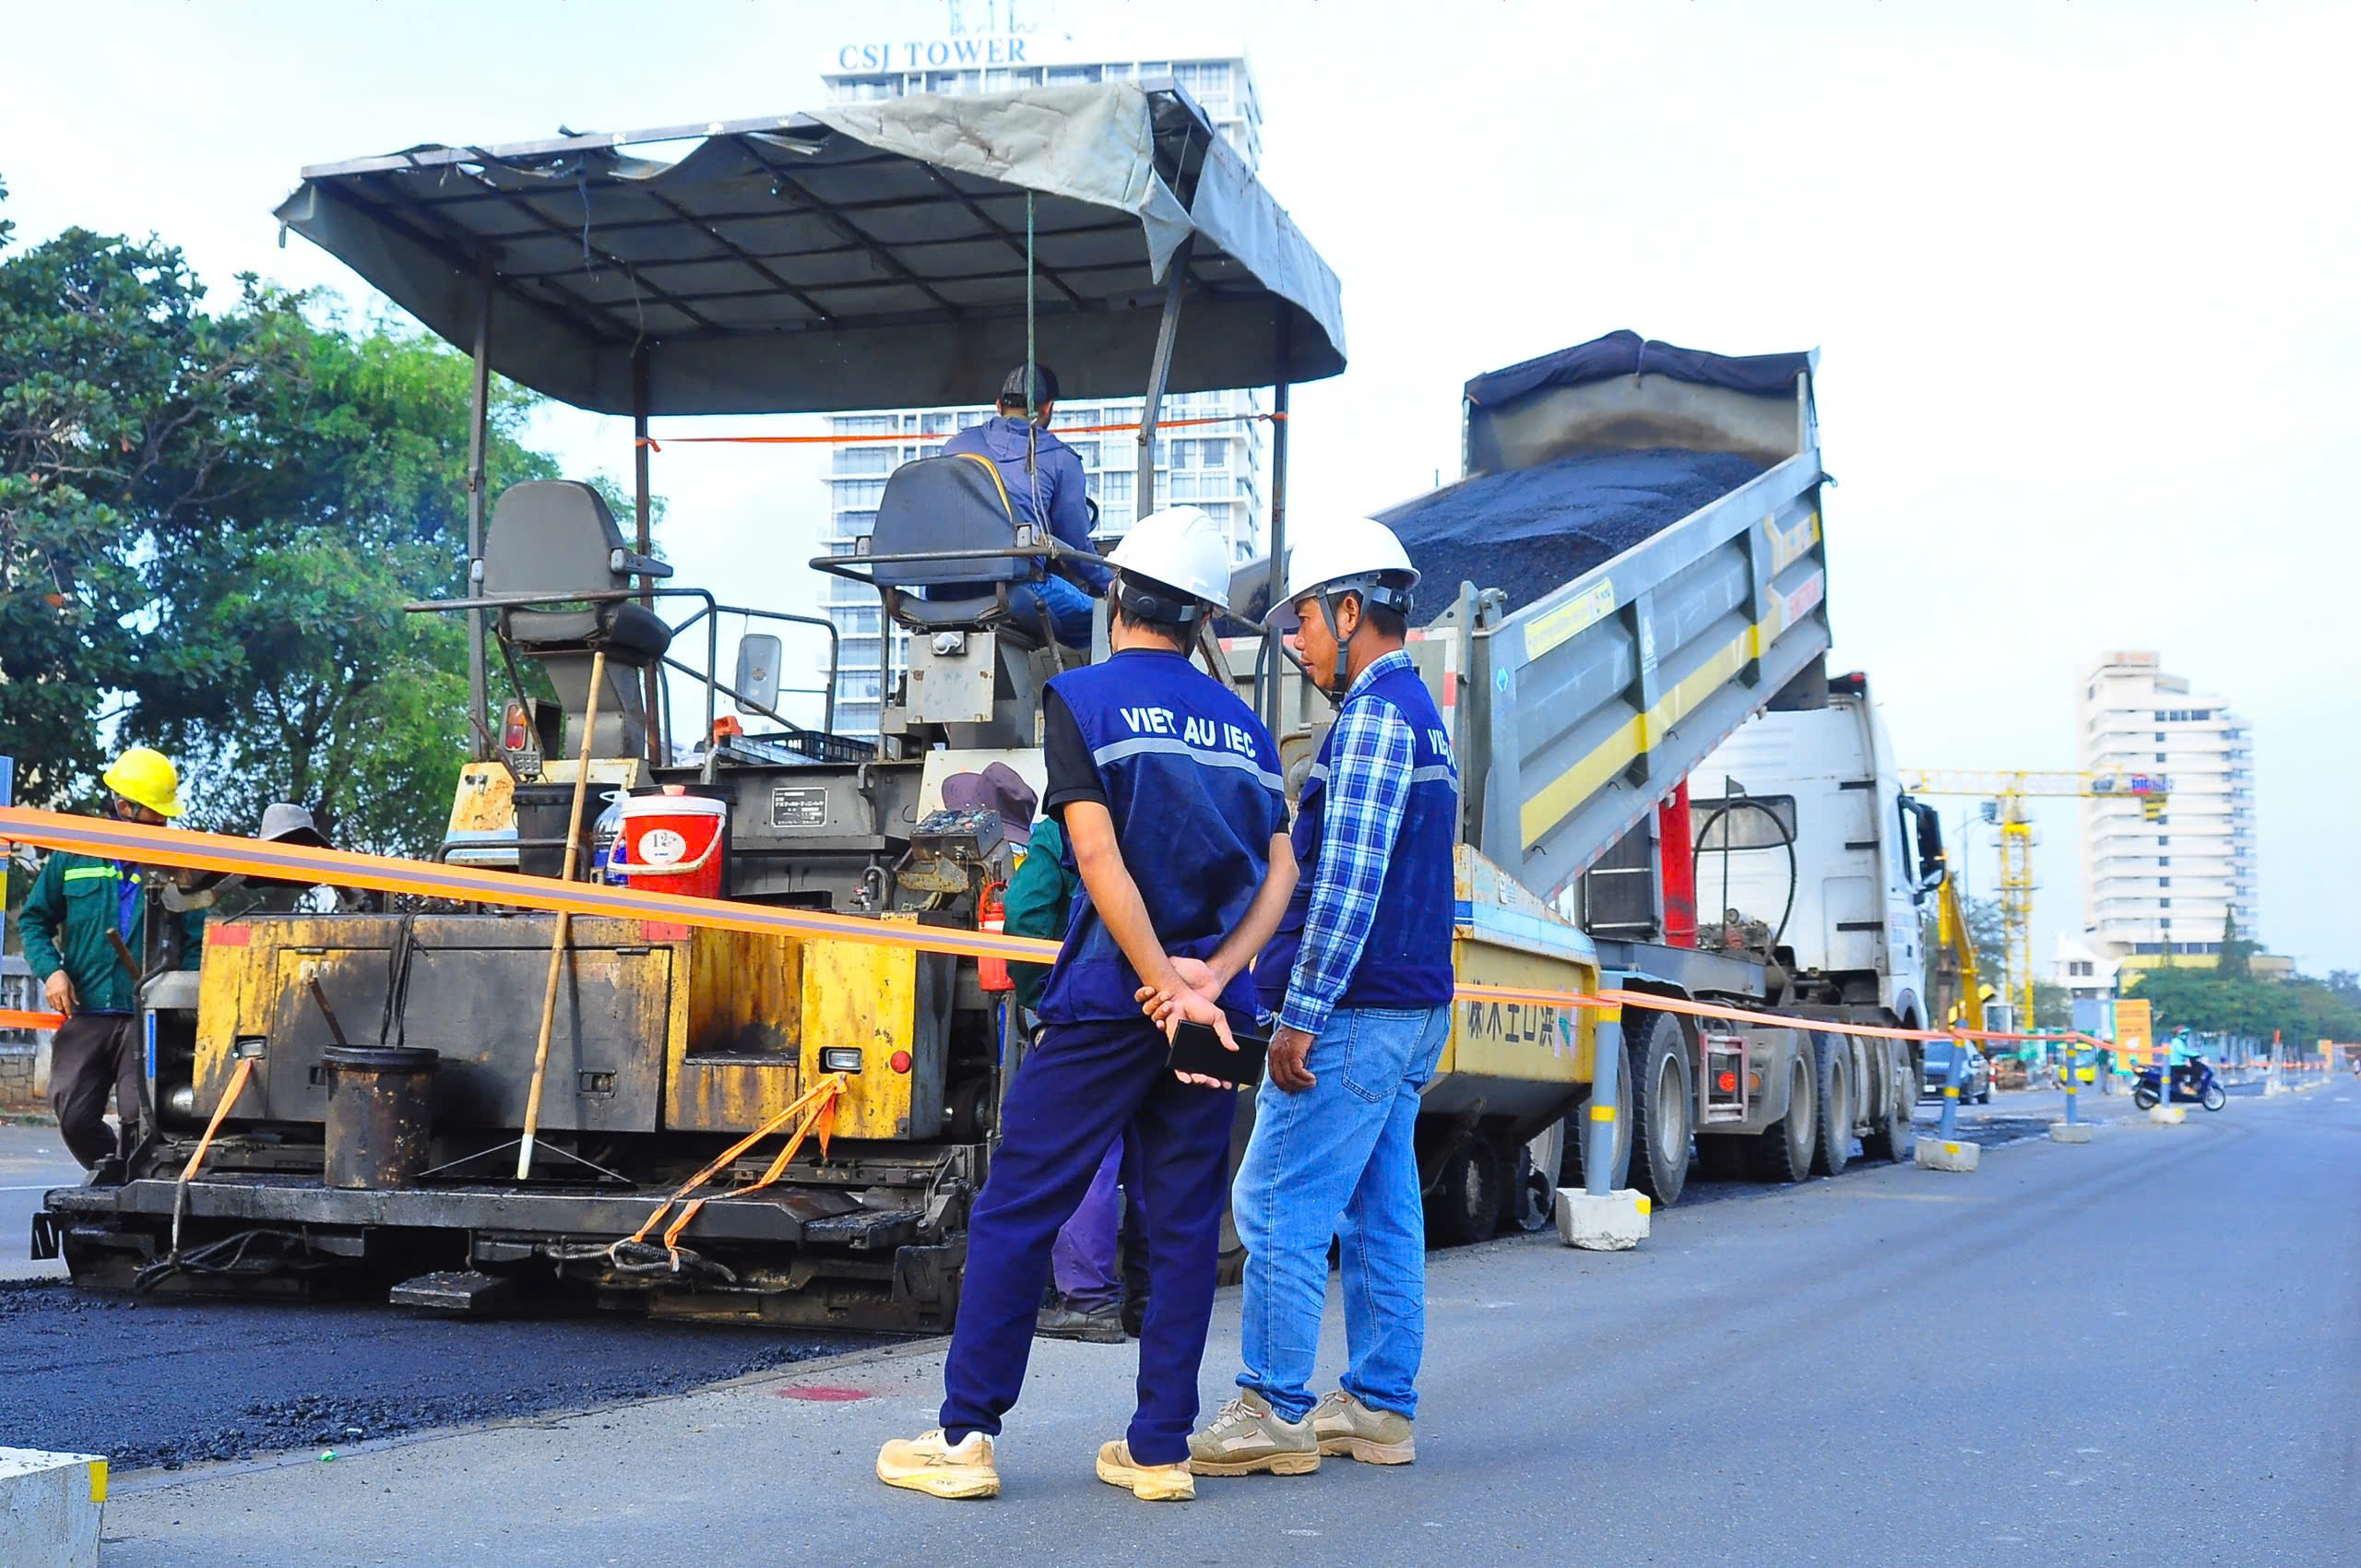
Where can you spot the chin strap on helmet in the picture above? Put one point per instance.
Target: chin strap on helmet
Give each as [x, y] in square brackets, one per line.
[1372, 590]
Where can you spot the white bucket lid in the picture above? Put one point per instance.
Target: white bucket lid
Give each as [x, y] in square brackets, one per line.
[674, 805]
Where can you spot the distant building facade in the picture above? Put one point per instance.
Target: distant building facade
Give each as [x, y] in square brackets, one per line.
[1217, 467]
[2162, 888]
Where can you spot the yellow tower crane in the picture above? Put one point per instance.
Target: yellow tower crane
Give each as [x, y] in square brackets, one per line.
[2009, 792]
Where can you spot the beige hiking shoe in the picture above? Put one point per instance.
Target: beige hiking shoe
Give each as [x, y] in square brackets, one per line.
[1351, 1430]
[1150, 1483]
[1248, 1438]
[928, 1464]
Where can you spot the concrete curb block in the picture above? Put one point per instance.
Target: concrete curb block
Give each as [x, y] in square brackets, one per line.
[1615, 1223]
[2070, 1132]
[2168, 1116]
[1934, 1154]
[49, 1505]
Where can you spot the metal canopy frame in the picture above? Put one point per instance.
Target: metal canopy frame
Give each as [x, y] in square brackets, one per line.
[867, 256]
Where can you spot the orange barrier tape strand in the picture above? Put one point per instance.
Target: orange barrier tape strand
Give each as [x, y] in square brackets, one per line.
[12, 1019]
[833, 440]
[120, 841]
[345, 868]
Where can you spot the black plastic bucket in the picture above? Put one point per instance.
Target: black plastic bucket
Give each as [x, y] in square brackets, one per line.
[541, 813]
[381, 1113]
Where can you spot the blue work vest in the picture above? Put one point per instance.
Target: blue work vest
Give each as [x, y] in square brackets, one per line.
[1192, 783]
[1406, 962]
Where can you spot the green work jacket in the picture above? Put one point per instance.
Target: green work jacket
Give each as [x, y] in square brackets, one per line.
[1039, 897]
[75, 901]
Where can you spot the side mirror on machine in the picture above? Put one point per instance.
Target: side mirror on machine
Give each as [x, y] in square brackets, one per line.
[757, 677]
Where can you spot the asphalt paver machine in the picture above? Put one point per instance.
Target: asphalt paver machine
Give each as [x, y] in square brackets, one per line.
[875, 256]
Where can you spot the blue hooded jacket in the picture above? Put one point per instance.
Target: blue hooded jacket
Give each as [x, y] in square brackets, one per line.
[1057, 474]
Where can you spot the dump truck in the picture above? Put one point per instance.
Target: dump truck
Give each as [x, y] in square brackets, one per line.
[1631, 581]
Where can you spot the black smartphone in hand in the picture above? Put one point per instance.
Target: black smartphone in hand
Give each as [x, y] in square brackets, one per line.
[1197, 1049]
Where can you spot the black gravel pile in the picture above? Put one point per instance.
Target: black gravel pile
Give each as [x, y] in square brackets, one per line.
[150, 1383]
[1530, 530]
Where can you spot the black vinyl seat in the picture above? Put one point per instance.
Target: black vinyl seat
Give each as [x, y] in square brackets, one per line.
[552, 541]
[549, 538]
[953, 503]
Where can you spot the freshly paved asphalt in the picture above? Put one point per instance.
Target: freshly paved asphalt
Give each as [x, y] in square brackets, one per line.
[2139, 1350]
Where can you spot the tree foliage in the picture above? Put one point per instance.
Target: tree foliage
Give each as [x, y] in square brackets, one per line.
[2301, 1010]
[282, 666]
[208, 523]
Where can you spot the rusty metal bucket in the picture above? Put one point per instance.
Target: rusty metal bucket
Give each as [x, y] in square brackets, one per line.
[381, 1113]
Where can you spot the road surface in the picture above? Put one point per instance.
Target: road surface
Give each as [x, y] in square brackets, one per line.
[2139, 1351]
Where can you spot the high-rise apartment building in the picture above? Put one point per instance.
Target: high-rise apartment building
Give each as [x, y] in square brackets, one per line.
[1217, 467]
[2163, 887]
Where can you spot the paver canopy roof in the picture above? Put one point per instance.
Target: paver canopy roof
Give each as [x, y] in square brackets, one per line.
[864, 255]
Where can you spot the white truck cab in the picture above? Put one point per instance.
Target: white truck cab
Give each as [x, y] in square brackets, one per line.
[1808, 848]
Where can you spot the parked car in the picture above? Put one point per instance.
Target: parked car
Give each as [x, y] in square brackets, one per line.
[1975, 1073]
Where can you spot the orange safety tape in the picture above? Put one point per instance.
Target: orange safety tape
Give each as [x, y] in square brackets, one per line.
[115, 839]
[653, 445]
[12, 1019]
[344, 868]
[237, 1087]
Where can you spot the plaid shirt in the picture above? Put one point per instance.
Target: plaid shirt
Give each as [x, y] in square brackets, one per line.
[1367, 790]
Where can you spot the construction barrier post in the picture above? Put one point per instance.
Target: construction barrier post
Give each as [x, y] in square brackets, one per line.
[1950, 1092]
[1606, 1105]
[2073, 1075]
[1601, 1218]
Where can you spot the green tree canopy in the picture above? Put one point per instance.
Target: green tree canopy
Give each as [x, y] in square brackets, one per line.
[208, 523]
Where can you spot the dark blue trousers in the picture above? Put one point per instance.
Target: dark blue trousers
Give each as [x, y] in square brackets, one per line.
[1082, 1087]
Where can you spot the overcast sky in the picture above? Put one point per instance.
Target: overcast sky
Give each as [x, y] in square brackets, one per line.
[2082, 276]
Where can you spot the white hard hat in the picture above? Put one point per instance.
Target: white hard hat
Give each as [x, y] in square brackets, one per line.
[1356, 553]
[1180, 547]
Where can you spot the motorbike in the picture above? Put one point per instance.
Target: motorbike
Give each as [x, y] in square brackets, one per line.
[2193, 1083]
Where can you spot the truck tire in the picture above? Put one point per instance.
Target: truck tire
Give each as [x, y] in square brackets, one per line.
[1782, 1152]
[1469, 1194]
[1894, 1135]
[1662, 1102]
[1571, 1170]
[1533, 1195]
[1835, 1095]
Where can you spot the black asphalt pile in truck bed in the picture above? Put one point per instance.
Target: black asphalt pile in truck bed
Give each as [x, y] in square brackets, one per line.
[1530, 530]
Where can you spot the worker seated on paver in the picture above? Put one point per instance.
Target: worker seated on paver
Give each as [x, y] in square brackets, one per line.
[1044, 479]
[1170, 791]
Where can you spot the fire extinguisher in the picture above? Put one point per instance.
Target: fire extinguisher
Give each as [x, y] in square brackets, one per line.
[991, 915]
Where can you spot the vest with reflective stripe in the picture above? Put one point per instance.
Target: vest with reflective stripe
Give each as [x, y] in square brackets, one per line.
[1406, 961]
[1192, 783]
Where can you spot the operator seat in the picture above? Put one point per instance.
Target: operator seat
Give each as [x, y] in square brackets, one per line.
[953, 503]
[552, 538]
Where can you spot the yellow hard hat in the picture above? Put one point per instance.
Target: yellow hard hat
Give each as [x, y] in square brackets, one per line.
[146, 776]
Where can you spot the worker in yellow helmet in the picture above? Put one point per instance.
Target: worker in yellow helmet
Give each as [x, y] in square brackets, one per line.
[79, 907]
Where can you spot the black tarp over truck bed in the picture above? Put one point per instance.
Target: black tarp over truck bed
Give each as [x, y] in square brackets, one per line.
[1652, 517]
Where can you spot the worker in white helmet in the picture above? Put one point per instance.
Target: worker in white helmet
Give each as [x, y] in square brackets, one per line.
[1361, 977]
[1170, 796]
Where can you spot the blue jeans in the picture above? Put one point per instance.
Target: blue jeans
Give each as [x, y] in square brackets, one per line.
[1069, 608]
[1338, 1160]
